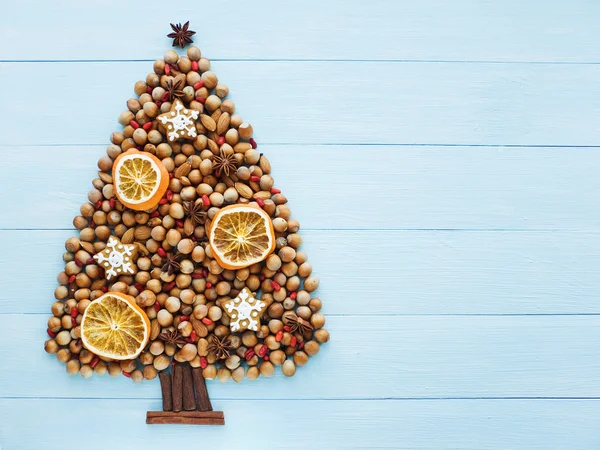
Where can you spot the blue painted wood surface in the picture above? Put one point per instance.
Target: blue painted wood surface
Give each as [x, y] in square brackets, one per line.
[443, 160]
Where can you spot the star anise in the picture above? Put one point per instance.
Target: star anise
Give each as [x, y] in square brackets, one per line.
[195, 212]
[225, 163]
[174, 87]
[181, 35]
[220, 347]
[171, 264]
[172, 337]
[298, 324]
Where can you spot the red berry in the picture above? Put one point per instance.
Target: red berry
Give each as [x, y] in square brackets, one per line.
[203, 362]
[279, 336]
[253, 143]
[199, 84]
[195, 68]
[260, 202]
[207, 321]
[201, 100]
[156, 306]
[255, 178]
[134, 124]
[127, 374]
[51, 333]
[221, 140]
[94, 362]
[205, 200]
[161, 251]
[147, 126]
[167, 69]
[275, 191]
[275, 285]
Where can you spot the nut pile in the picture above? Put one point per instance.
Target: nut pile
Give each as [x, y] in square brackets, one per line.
[178, 283]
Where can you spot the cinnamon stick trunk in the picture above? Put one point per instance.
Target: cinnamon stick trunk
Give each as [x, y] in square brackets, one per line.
[185, 399]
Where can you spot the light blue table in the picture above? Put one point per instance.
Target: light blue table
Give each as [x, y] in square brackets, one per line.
[442, 158]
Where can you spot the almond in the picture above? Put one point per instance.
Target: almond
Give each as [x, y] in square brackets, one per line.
[88, 247]
[107, 178]
[216, 115]
[243, 190]
[129, 236]
[262, 194]
[208, 122]
[142, 233]
[184, 169]
[242, 147]
[213, 147]
[264, 164]
[223, 124]
[154, 329]
[142, 249]
[199, 327]
[188, 227]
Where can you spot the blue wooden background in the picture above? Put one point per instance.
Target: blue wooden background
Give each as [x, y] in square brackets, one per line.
[442, 158]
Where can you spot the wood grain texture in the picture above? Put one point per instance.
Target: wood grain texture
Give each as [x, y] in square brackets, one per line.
[509, 30]
[357, 187]
[459, 276]
[333, 102]
[400, 425]
[368, 357]
[407, 272]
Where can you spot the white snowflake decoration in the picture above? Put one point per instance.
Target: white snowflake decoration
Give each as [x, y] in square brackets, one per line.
[179, 121]
[116, 258]
[245, 311]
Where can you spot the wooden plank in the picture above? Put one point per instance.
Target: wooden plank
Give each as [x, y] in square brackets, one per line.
[337, 29]
[341, 187]
[403, 272]
[30, 424]
[331, 102]
[367, 357]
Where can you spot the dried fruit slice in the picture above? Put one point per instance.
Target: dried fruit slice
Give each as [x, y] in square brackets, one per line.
[114, 326]
[140, 179]
[241, 235]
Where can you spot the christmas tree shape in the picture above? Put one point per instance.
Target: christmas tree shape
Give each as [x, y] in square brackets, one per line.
[187, 266]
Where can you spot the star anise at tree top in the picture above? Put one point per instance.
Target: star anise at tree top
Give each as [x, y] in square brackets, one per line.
[172, 337]
[220, 347]
[171, 264]
[174, 87]
[195, 212]
[225, 163]
[181, 34]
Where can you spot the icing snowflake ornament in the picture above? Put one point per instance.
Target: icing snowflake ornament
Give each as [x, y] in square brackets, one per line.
[117, 258]
[245, 311]
[179, 122]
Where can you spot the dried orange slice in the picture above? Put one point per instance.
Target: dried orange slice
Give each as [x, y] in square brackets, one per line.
[241, 235]
[115, 327]
[140, 179]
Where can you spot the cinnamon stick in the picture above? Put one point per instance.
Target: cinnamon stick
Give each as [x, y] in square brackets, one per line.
[185, 417]
[177, 387]
[201, 392]
[189, 399]
[165, 387]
